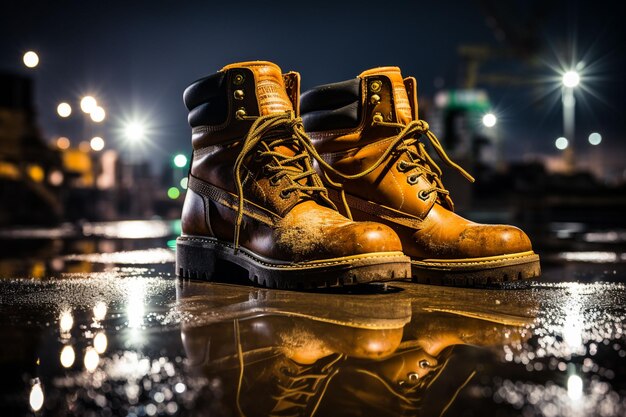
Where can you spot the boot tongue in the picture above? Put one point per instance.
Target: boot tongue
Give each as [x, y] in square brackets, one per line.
[398, 91]
[270, 87]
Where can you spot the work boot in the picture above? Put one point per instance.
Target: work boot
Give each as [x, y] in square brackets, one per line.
[254, 199]
[371, 144]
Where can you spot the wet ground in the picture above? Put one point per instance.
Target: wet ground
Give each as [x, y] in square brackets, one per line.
[94, 322]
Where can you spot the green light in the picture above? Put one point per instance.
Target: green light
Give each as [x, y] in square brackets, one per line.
[173, 193]
[171, 244]
[177, 227]
[180, 160]
[183, 183]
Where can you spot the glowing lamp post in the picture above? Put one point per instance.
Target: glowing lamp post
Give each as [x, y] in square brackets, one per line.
[570, 80]
[489, 120]
[134, 132]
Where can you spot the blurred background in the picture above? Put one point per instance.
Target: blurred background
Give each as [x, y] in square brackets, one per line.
[527, 95]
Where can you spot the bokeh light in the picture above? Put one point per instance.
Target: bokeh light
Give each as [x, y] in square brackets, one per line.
[67, 356]
[55, 177]
[66, 321]
[35, 398]
[64, 110]
[97, 143]
[561, 143]
[63, 143]
[574, 387]
[31, 59]
[173, 193]
[180, 160]
[92, 359]
[97, 114]
[100, 342]
[88, 104]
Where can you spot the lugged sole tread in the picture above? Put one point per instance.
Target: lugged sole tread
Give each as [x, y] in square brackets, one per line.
[198, 258]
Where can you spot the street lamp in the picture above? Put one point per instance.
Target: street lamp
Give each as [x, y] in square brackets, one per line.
[489, 120]
[570, 80]
[134, 132]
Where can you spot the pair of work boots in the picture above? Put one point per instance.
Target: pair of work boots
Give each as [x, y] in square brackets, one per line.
[271, 171]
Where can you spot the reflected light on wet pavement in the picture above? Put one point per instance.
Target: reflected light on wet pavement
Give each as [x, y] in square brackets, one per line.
[95, 323]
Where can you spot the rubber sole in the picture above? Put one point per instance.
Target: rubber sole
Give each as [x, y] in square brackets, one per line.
[197, 257]
[476, 272]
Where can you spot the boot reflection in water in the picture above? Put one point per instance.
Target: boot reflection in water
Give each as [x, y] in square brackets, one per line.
[254, 199]
[277, 353]
[435, 361]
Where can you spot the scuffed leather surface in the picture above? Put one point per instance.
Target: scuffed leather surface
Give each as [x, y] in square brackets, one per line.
[307, 230]
[441, 234]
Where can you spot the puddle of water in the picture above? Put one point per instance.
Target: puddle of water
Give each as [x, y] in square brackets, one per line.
[100, 326]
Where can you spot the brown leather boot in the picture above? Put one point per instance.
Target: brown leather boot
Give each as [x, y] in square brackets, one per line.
[372, 143]
[254, 199]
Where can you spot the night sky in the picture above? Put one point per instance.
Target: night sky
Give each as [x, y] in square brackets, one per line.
[136, 57]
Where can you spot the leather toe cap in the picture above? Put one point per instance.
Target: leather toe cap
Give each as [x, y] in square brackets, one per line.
[366, 237]
[493, 240]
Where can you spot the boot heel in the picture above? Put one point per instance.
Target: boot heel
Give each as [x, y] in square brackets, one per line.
[194, 261]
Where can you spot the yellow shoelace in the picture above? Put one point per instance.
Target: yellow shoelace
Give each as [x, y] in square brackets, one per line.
[421, 163]
[261, 138]
[299, 167]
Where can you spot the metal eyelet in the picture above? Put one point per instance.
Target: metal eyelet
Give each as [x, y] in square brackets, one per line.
[375, 99]
[423, 196]
[402, 166]
[238, 94]
[284, 194]
[378, 118]
[424, 363]
[413, 377]
[376, 85]
[274, 181]
[238, 79]
[241, 113]
[412, 179]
